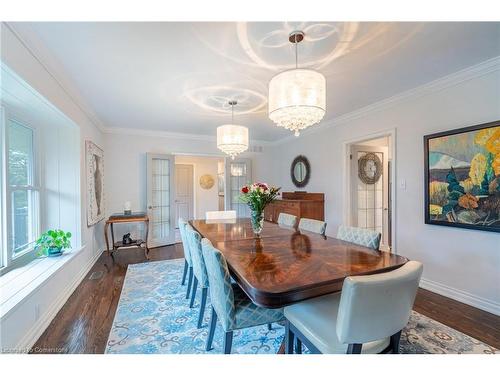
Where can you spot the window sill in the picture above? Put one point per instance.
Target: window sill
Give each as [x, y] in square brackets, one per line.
[19, 283]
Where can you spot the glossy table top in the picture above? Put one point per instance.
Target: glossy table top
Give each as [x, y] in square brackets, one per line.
[285, 266]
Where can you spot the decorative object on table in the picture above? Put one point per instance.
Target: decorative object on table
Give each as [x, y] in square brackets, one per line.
[232, 139]
[53, 242]
[127, 240]
[297, 97]
[300, 171]
[95, 183]
[257, 196]
[127, 208]
[118, 218]
[207, 181]
[369, 168]
[462, 177]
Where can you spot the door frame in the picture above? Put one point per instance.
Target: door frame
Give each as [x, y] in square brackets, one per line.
[346, 176]
[171, 157]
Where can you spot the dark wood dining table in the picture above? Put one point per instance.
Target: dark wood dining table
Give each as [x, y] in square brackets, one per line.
[284, 266]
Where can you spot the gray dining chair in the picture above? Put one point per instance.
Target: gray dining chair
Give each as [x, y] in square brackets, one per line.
[360, 236]
[188, 266]
[311, 225]
[287, 220]
[199, 270]
[366, 317]
[230, 305]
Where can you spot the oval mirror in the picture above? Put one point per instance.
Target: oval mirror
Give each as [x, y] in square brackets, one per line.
[300, 171]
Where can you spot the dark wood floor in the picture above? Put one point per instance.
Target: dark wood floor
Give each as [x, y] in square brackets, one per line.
[84, 322]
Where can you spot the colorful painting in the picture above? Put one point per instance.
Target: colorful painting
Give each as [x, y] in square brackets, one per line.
[462, 170]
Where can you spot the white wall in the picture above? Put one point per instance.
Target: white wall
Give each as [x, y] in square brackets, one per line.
[463, 264]
[204, 199]
[38, 309]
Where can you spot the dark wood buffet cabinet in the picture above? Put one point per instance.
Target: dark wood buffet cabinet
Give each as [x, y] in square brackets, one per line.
[300, 204]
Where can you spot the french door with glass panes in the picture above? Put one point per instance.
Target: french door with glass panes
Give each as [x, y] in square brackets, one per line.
[238, 172]
[160, 199]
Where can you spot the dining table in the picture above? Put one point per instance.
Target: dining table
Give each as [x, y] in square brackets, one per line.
[283, 265]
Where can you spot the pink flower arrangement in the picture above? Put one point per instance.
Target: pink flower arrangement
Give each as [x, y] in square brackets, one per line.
[258, 195]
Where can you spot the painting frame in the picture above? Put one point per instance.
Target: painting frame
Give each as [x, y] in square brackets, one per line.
[427, 177]
[94, 164]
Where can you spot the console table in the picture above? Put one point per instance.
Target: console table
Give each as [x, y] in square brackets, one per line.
[122, 218]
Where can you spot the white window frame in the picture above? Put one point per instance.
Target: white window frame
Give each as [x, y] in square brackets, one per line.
[9, 260]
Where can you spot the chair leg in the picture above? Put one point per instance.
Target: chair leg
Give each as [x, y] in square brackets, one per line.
[289, 338]
[269, 326]
[190, 281]
[228, 342]
[184, 273]
[193, 292]
[395, 342]
[298, 346]
[211, 330]
[354, 348]
[202, 305]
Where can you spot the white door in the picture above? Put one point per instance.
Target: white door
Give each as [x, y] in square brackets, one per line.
[183, 192]
[238, 172]
[160, 198]
[370, 202]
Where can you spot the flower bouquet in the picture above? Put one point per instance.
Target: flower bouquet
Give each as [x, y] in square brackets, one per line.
[257, 196]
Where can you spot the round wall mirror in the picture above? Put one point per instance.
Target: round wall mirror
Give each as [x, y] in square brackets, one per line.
[300, 171]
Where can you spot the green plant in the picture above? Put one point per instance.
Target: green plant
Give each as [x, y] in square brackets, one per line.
[56, 238]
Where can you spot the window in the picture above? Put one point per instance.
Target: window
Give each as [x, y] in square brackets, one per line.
[22, 190]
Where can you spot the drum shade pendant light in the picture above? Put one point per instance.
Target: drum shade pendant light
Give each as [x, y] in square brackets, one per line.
[232, 139]
[297, 97]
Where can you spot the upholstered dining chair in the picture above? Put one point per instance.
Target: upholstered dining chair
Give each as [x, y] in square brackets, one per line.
[230, 305]
[287, 220]
[311, 225]
[199, 270]
[188, 266]
[366, 317]
[216, 215]
[360, 236]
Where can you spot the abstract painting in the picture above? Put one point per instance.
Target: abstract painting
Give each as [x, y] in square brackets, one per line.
[462, 177]
[95, 183]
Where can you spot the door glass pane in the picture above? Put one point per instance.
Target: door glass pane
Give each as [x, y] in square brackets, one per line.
[20, 157]
[238, 178]
[161, 198]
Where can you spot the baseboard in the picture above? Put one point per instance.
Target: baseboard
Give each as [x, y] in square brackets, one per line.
[44, 321]
[461, 296]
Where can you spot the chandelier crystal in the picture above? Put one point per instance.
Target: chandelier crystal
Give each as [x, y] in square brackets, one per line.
[297, 97]
[232, 139]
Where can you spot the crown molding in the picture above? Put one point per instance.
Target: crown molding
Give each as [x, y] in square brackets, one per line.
[36, 50]
[474, 71]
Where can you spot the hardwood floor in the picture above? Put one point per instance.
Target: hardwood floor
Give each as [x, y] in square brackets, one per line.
[83, 324]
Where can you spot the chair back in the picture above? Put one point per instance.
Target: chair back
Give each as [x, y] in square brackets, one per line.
[215, 215]
[199, 269]
[287, 220]
[375, 307]
[359, 236]
[185, 244]
[311, 225]
[221, 291]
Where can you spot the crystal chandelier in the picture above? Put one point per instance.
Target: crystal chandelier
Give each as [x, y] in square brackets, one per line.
[232, 139]
[297, 97]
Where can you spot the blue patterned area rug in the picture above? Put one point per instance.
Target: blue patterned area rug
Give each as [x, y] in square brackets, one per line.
[153, 316]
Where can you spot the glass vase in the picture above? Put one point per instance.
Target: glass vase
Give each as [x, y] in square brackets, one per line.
[257, 222]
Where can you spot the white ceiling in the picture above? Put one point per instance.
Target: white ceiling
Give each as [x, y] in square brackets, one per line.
[178, 77]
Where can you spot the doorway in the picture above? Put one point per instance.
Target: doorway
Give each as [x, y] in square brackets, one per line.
[184, 197]
[370, 187]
